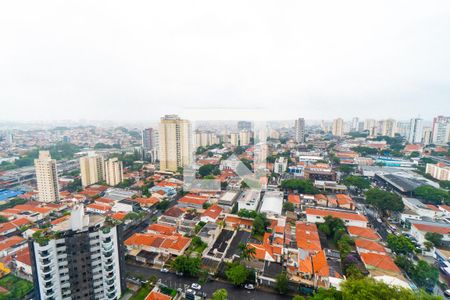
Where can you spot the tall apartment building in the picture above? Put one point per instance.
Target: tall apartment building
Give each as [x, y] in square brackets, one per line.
[441, 130]
[415, 131]
[175, 143]
[355, 122]
[205, 138]
[46, 177]
[369, 124]
[147, 139]
[338, 127]
[234, 139]
[388, 127]
[299, 130]
[440, 171]
[244, 137]
[113, 171]
[92, 169]
[403, 128]
[80, 258]
[427, 136]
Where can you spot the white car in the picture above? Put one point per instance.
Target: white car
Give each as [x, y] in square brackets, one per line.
[164, 270]
[249, 286]
[196, 286]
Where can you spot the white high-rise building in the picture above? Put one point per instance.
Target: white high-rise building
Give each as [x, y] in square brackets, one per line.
[415, 131]
[148, 139]
[175, 143]
[244, 137]
[338, 127]
[113, 171]
[388, 127]
[427, 136]
[234, 139]
[46, 177]
[79, 258]
[441, 130]
[92, 169]
[403, 128]
[300, 130]
[205, 138]
[355, 122]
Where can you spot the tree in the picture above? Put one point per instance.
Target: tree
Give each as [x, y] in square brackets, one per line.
[384, 201]
[247, 253]
[303, 186]
[365, 150]
[220, 294]
[425, 275]
[445, 184]
[187, 265]
[434, 238]
[400, 244]
[237, 274]
[288, 206]
[346, 169]
[357, 181]
[206, 170]
[432, 195]
[260, 224]
[368, 288]
[326, 294]
[298, 297]
[282, 283]
[3, 219]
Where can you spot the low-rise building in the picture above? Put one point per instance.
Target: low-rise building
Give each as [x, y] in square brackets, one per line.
[249, 199]
[272, 203]
[440, 171]
[316, 215]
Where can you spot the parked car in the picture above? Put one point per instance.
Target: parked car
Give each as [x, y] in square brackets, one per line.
[196, 286]
[179, 273]
[447, 293]
[189, 291]
[249, 286]
[164, 270]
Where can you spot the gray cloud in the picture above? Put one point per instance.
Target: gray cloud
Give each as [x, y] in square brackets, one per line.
[141, 59]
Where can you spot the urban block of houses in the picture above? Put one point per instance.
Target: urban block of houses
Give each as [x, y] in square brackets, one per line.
[211, 214]
[420, 228]
[363, 233]
[165, 245]
[193, 201]
[11, 245]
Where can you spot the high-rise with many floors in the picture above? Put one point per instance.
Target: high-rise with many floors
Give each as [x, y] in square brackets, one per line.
[338, 127]
[441, 130]
[113, 171]
[148, 139]
[415, 131]
[92, 169]
[80, 258]
[46, 177]
[299, 130]
[175, 143]
[388, 127]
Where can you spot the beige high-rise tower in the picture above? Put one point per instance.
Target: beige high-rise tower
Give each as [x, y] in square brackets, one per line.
[113, 171]
[175, 143]
[46, 177]
[338, 127]
[92, 168]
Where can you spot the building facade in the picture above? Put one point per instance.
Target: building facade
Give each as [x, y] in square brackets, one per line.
[338, 127]
[299, 130]
[92, 169]
[175, 143]
[415, 131]
[46, 177]
[441, 130]
[81, 259]
[113, 171]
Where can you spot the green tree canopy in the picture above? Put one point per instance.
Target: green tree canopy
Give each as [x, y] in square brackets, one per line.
[220, 294]
[384, 201]
[237, 274]
[434, 238]
[187, 265]
[432, 195]
[357, 181]
[282, 283]
[400, 244]
[303, 186]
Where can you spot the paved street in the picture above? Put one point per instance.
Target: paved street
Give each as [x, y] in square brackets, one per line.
[175, 282]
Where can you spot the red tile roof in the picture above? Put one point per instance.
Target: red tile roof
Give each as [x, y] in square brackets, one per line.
[363, 232]
[157, 296]
[162, 229]
[11, 242]
[294, 199]
[432, 228]
[213, 212]
[175, 242]
[369, 245]
[379, 261]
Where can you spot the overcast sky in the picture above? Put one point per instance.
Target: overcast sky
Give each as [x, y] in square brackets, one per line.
[138, 60]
